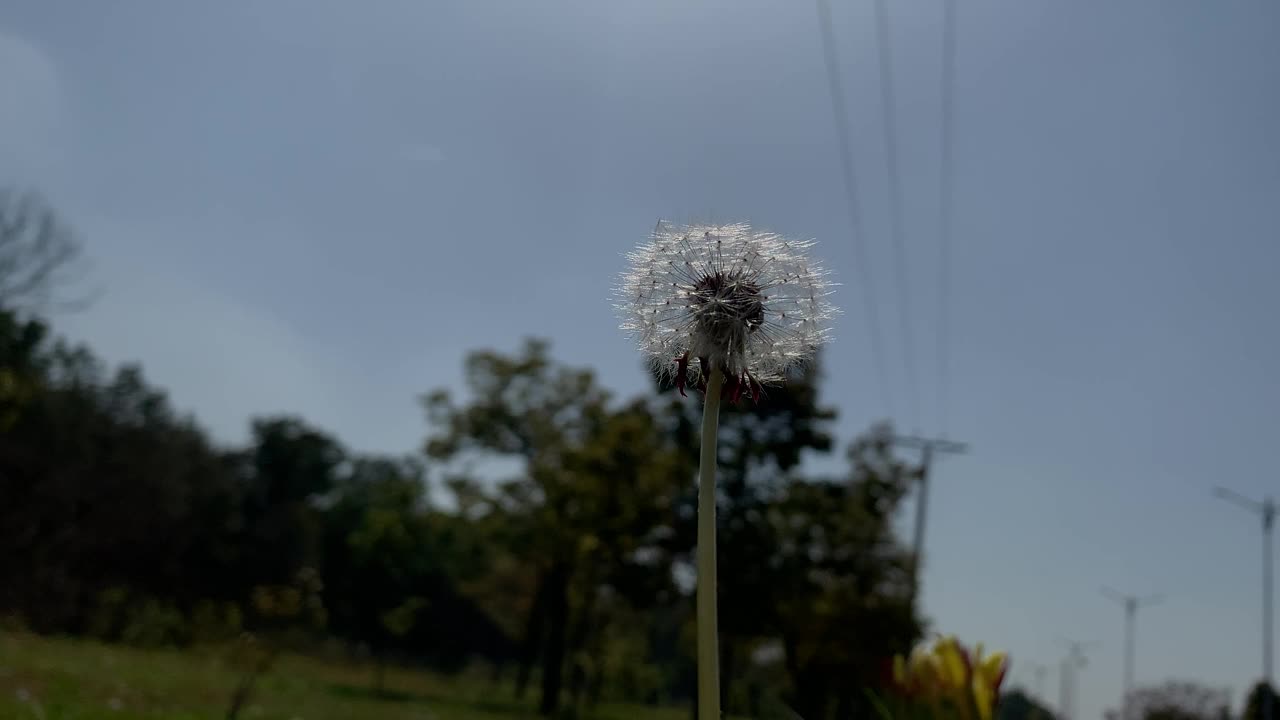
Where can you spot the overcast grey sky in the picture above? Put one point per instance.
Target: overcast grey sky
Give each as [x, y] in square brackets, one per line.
[319, 207]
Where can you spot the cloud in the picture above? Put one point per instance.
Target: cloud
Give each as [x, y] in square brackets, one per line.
[423, 153]
[217, 356]
[31, 108]
[228, 357]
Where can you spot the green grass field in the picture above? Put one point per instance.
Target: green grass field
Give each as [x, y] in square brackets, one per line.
[56, 679]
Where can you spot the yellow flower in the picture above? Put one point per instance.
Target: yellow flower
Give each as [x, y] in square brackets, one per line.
[947, 674]
[954, 663]
[900, 677]
[988, 673]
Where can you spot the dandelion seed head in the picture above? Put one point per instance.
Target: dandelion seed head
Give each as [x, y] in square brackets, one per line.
[748, 302]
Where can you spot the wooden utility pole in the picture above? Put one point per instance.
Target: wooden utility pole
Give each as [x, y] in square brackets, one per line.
[927, 447]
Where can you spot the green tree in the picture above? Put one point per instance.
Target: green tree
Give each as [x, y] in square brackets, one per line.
[23, 365]
[1253, 704]
[1019, 705]
[526, 408]
[288, 467]
[378, 554]
[1175, 700]
[760, 443]
[627, 476]
[808, 566]
[594, 487]
[279, 616]
[393, 564]
[841, 584]
[93, 470]
[482, 556]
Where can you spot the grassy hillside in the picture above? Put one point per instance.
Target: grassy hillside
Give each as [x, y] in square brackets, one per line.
[48, 679]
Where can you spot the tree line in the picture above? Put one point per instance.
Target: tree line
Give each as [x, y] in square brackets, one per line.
[569, 578]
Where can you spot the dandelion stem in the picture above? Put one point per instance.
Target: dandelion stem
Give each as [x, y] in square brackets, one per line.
[708, 642]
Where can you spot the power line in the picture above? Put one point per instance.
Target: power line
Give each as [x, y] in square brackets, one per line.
[888, 105]
[840, 115]
[946, 191]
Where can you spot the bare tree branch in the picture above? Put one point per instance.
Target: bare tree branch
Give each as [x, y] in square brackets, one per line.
[40, 256]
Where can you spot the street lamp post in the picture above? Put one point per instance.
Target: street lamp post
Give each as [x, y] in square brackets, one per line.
[1266, 509]
[1131, 603]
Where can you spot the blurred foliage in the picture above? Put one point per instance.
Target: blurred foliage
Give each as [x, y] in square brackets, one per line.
[1019, 705]
[125, 522]
[1253, 708]
[282, 615]
[586, 515]
[1175, 700]
[121, 519]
